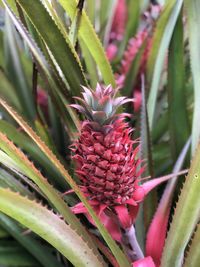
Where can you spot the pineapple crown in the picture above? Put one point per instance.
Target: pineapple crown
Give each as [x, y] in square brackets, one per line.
[100, 105]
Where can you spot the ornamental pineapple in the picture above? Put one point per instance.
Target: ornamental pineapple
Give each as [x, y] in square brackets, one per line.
[106, 161]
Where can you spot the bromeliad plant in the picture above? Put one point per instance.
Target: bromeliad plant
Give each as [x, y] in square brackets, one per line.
[80, 147]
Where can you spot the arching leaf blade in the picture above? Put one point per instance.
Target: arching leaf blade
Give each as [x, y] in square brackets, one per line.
[34, 247]
[185, 217]
[89, 37]
[193, 256]
[59, 46]
[15, 71]
[48, 226]
[20, 257]
[44, 69]
[178, 119]
[162, 37]
[24, 142]
[193, 9]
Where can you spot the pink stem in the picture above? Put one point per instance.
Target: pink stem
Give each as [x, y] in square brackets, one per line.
[130, 236]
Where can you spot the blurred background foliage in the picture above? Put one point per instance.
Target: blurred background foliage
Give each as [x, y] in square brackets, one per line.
[48, 48]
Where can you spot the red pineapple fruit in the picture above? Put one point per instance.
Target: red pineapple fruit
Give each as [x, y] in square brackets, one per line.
[117, 29]
[106, 162]
[134, 45]
[119, 21]
[143, 39]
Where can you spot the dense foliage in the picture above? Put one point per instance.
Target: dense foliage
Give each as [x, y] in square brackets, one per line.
[99, 106]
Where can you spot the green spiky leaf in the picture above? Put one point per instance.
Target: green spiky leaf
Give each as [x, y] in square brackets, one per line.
[160, 43]
[185, 217]
[59, 46]
[49, 226]
[178, 119]
[193, 9]
[193, 256]
[33, 246]
[89, 37]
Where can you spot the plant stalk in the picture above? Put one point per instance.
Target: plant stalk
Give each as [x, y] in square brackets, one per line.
[130, 239]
